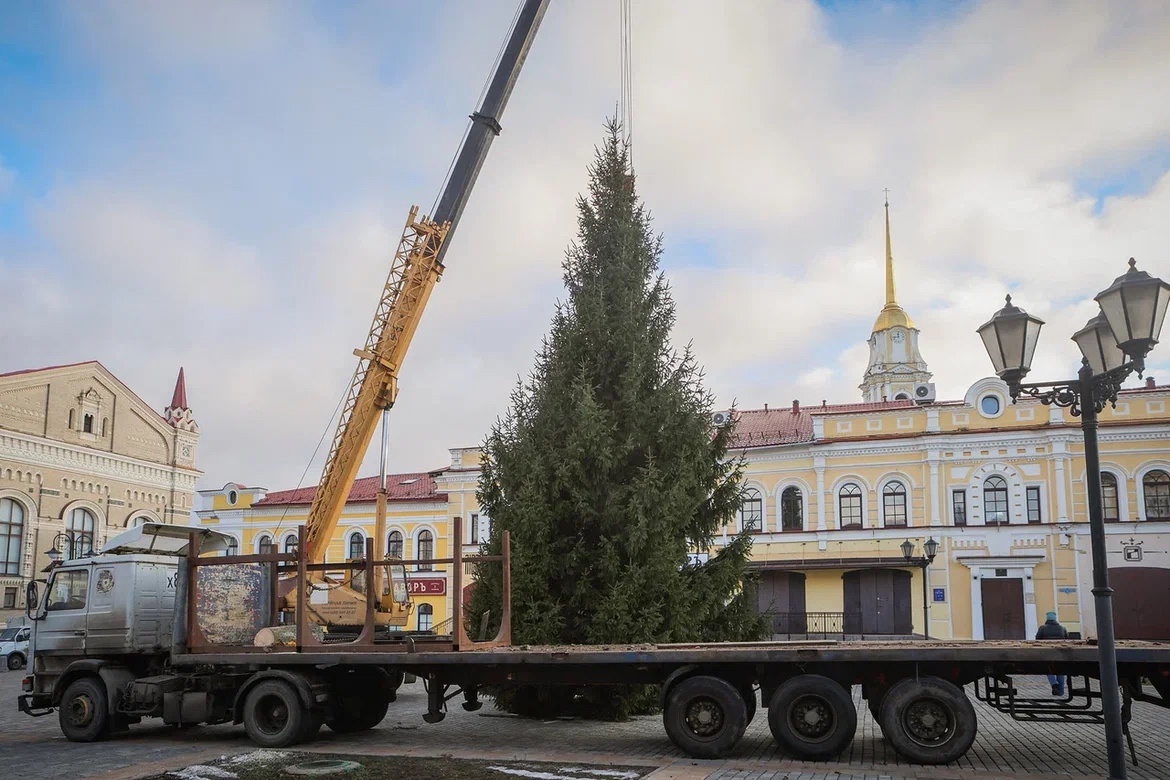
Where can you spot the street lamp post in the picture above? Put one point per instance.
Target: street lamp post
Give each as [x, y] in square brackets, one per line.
[930, 549]
[1133, 309]
[76, 544]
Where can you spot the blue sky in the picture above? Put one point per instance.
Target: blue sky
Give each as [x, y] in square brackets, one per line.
[221, 186]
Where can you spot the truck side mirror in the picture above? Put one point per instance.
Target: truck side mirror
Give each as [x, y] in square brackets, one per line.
[31, 601]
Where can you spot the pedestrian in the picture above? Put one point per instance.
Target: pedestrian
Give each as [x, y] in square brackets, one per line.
[1052, 629]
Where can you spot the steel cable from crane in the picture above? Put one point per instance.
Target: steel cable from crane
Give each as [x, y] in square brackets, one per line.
[626, 101]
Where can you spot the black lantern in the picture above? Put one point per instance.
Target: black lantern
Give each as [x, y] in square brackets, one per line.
[907, 549]
[931, 547]
[1098, 345]
[1010, 338]
[1135, 306]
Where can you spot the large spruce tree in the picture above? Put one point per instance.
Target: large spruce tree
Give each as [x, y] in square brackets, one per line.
[605, 469]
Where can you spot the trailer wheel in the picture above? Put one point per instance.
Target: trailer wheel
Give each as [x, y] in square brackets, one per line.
[928, 720]
[84, 712]
[749, 697]
[812, 717]
[705, 716]
[273, 714]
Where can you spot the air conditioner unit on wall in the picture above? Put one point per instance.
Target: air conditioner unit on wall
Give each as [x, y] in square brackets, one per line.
[924, 393]
[719, 419]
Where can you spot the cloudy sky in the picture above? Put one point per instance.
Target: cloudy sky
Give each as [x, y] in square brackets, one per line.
[220, 185]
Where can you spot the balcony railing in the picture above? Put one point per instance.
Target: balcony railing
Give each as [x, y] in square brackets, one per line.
[821, 625]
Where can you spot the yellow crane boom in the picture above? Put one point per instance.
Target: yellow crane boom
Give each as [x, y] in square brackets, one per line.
[417, 267]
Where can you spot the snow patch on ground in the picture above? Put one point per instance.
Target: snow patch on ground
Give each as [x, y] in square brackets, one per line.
[627, 774]
[257, 757]
[201, 772]
[550, 776]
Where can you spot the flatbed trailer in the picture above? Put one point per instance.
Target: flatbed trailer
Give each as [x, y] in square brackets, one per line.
[209, 671]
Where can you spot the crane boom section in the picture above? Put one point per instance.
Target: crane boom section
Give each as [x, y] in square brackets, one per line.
[417, 267]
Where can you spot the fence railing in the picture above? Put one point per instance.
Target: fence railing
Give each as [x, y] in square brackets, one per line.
[817, 624]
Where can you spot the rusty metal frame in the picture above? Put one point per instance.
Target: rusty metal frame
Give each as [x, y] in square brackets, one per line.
[297, 563]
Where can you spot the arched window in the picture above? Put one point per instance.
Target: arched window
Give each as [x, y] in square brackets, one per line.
[426, 549]
[357, 545]
[394, 545]
[87, 423]
[995, 501]
[264, 545]
[791, 510]
[849, 506]
[233, 547]
[11, 535]
[290, 544]
[1109, 497]
[136, 521]
[79, 533]
[751, 511]
[894, 505]
[1156, 487]
[426, 617]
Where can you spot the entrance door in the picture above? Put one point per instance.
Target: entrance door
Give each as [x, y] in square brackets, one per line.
[1139, 602]
[1003, 608]
[877, 601]
[781, 597]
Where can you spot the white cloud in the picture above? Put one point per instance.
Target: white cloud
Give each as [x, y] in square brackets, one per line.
[246, 226]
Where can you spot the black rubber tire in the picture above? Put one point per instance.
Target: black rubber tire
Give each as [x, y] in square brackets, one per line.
[84, 712]
[15, 661]
[950, 722]
[360, 699]
[748, 692]
[812, 717]
[689, 706]
[274, 716]
[314, 719]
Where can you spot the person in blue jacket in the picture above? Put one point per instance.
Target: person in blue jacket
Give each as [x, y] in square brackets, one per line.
[1052, 629]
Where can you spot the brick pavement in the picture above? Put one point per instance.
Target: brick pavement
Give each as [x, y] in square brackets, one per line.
[1004, 749]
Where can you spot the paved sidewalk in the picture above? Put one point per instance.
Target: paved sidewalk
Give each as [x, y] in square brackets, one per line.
[33, 748]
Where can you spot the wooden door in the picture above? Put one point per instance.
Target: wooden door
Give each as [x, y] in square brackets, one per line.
[781, 596]
[1003, 608]
[1139, 602]
[877, 601]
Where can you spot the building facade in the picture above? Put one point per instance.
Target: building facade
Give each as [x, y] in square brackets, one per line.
[83, 457]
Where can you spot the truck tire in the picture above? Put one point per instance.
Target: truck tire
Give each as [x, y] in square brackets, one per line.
[360, 698]
[705, 716]
[354, 714]
[274, 716]
[84, 712]
[749, 697]
[15, 661]
[928, 720]
[812, 717]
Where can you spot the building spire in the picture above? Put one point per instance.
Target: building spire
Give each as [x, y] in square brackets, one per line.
[891, 297]
[179, 399]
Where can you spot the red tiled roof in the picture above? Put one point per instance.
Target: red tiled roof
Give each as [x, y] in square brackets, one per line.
[876, 406]
[50, 368]
[416, 486]
[763, 428]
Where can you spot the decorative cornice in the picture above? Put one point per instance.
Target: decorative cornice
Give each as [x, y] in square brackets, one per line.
[57, 455]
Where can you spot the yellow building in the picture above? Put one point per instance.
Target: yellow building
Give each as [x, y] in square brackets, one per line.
[834, 492]
[417, 522]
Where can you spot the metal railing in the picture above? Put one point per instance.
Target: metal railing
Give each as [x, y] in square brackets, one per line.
[799, 625]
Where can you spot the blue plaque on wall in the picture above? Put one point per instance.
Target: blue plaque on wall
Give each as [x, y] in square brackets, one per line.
[940, 594]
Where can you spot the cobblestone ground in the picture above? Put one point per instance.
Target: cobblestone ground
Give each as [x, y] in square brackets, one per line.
[34, 748]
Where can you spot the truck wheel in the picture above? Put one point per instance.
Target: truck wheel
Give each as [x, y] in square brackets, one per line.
[928, 720]
[84, 710]
[354, 714]
[273, 714]
[812, 717]
[705, 716]
[313, 721]
[15, 661]
[749, 698]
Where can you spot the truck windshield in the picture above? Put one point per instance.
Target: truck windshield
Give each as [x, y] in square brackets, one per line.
[9, 634]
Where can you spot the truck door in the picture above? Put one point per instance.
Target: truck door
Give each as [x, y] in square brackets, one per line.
[63, 627]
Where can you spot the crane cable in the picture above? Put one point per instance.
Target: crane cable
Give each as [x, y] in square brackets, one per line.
[626, 101]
